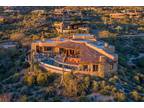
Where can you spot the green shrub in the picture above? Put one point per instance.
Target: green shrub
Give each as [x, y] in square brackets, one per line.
[41, 79]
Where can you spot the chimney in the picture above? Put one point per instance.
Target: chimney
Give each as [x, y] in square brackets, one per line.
[102, 59]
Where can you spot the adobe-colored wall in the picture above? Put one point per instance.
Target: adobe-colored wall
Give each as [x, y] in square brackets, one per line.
[103, 68]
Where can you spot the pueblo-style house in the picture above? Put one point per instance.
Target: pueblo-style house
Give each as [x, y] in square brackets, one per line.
[125, 15]
[67, 27]
[82, 54]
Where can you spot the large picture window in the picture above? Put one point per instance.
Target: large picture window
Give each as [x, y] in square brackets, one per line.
[85, 67]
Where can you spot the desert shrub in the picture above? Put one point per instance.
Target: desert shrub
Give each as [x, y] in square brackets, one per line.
[95, 86]
[119, 96]
[16, 76]
[56, 99]
[41, 79]
[105, 34]
[102, 84]
[70, 85]
[113, 79]
[135, 95]
[83, 99]
[50, 92]
[29, 80]
[52, 77]
[23, 98]
[140, 62]
[136, 79]
[17, 36]
[83, 85]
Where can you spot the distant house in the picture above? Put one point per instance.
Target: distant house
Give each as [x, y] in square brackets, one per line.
[84, 36]
[39, 12]
[8, 45]
[126, 14]
[134, 14]
[11, 11]
[81, 55]
[58, 12]
[117, 15]
[67, 27]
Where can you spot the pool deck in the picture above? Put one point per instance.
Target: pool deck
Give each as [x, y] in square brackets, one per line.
[60, 70]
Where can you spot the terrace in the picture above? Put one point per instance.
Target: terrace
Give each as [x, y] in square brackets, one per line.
[55, 61]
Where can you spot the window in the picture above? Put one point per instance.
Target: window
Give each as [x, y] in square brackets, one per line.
[47, 48]
[38, 49]
[95, 67]
[111, 66]
[72, 52]
[85, 67]
[61, 50]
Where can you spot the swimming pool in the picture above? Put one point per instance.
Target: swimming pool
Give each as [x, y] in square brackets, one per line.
[51, 61]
